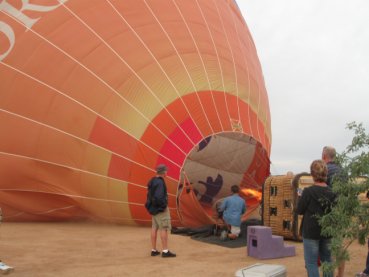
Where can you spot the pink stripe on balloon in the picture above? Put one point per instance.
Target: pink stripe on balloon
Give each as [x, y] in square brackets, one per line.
[171, 152]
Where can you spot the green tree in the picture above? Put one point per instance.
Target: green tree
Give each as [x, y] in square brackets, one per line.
[349, 219]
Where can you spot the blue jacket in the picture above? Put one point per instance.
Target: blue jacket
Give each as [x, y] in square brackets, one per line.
[233, 206]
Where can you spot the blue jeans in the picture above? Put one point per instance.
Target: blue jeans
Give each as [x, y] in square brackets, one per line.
[314, 249]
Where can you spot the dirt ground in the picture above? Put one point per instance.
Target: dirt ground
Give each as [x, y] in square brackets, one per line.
[87, 249]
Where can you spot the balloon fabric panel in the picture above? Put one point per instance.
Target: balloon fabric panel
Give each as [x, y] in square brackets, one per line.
[95, 94]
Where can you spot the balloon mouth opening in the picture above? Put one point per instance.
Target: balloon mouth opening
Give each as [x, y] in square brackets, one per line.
[211, 168]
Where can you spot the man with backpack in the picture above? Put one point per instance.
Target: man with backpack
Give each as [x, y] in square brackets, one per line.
[157, 206]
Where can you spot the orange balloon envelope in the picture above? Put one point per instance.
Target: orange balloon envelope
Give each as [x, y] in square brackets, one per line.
[94, 94]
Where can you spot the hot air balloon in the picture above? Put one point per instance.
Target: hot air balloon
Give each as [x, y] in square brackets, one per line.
[94, 94]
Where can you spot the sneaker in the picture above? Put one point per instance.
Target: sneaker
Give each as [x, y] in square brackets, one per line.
[223, 235]
[155, 253]
[168, 254]
[5, 269]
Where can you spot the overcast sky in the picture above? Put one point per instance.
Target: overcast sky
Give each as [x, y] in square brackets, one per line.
[315, 59]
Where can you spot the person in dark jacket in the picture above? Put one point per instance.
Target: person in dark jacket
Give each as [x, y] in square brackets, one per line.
[334, 172]
[157, 193]
[329, 156]
[315, 202]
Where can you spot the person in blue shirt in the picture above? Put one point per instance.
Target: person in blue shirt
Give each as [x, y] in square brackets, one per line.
[233, 207]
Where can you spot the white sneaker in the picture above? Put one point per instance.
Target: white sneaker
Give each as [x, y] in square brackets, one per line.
[224, 235]
[5, 269]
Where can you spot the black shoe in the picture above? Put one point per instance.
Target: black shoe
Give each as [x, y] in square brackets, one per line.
[168, 254]
[155, 253]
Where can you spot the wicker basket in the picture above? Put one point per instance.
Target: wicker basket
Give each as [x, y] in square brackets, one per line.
[279, 202]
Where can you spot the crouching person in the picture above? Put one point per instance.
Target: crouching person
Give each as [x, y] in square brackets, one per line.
[233, 207]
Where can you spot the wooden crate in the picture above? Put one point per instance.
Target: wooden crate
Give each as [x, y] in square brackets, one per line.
[279, 202]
